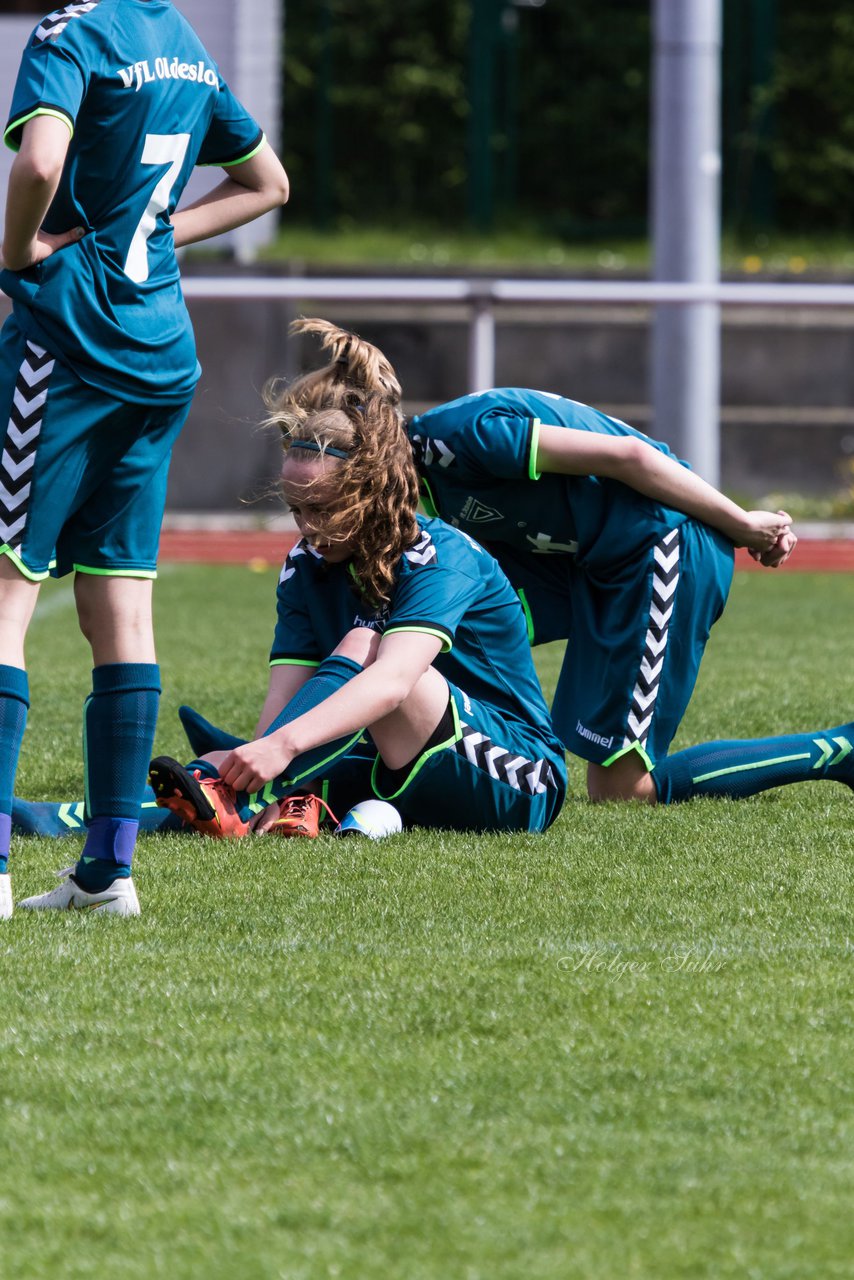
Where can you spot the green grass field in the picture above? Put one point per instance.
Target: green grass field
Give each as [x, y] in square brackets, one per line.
[620, 1049]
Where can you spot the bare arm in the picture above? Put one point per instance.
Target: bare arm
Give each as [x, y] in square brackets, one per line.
[250, 189]
[374, 693]
[285, 681]
[651, 472]
[33, 181]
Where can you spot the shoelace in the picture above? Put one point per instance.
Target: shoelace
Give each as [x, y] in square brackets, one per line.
[294, 808]
[222, 789]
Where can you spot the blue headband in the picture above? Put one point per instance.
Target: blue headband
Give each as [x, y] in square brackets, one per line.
[315, 447]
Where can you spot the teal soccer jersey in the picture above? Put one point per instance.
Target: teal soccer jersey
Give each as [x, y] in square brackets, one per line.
[634, 586]
[501, 768]
[473, 452]
[447, 585]
[154, 105]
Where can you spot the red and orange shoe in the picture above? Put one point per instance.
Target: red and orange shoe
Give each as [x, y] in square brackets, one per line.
[208, 805]
[300, 815]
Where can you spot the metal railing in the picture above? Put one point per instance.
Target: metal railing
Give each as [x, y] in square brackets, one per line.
[484, 298]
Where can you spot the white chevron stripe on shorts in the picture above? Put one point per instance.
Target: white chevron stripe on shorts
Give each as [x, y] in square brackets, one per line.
[19, 447]
[665, 579]
[531, 776]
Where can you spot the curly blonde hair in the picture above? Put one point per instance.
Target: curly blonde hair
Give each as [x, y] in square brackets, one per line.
[354, 365]
[376, 480]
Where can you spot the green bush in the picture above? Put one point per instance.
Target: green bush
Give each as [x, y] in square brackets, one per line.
[379, 123]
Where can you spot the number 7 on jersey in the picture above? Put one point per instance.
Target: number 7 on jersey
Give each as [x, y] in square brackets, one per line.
[159, 148]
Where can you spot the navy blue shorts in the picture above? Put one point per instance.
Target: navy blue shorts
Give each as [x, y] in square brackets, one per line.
[491, 774]
[636, 632]
[82, 473]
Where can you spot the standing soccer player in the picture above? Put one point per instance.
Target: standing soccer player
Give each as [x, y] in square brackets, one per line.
[115, 102]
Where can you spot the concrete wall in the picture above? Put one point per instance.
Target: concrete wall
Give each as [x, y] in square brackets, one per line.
[244, 36]
[14, 31]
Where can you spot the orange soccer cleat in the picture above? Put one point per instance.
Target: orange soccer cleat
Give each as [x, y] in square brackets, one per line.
[300, 815]
[206, 804]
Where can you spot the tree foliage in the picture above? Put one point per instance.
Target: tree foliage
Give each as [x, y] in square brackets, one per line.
[378, 111]
[812, 147]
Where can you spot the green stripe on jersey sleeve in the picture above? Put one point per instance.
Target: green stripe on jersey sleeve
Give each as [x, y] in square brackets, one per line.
[447, 640]
[533, 473]
[229, 164]
[12, 136]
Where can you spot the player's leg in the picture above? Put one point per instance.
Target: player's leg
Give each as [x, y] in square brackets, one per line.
[402, 735]
[210, 806]
[733, 769]
[638, 642]
[476, 771]
[110, 540]
[17, 600]
[737, 769]
[204, 736]
[628, 778]
[119, 718]
[28, 396]
[59, 818]
[323, 800]
[397, 737]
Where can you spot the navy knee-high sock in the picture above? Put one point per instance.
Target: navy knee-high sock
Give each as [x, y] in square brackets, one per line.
[739, 769]
[332, 674]
[119, 720]
[14, 703]
[204, 736]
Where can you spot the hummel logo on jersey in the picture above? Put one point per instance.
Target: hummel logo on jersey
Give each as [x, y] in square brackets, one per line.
[301, 548]
[378, 623]
[665, 580]
[531, 776]
[430, 451]
[422, 551]
[52, 27]
[140, 73]
[477, 512]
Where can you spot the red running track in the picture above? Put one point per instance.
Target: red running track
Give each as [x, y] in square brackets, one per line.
[238, 546]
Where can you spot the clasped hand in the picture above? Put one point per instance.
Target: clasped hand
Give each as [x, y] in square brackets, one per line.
[768, 537]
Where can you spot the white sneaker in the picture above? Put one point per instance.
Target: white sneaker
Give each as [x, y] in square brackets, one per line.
[118, 900]
[5, 896]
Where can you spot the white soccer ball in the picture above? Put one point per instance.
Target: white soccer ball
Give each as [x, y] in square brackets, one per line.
[371, 818]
